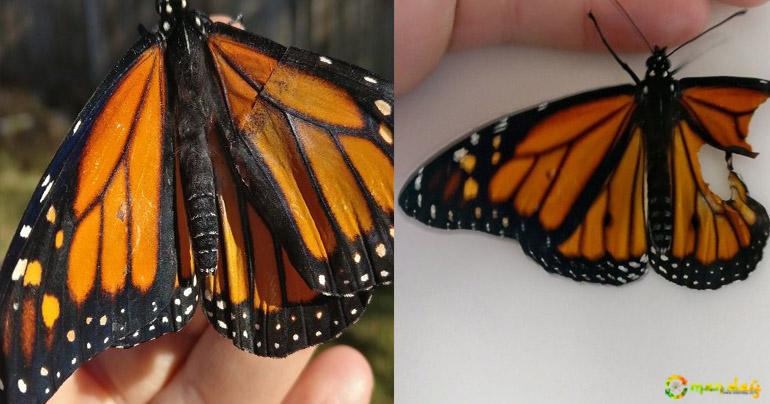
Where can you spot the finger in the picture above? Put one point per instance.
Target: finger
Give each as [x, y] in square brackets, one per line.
[216, 371]
[564, 23]
[338, 375]
[135, 374]
[227, 20]
[422, 32]
[744, 3]
[424, 28]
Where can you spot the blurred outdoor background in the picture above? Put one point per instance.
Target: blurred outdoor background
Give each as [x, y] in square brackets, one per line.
[53, 54]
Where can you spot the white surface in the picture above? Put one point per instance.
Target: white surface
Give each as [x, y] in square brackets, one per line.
[478, 321]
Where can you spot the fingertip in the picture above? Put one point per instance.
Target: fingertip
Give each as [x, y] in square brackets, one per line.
[339, 374]
[422, 32]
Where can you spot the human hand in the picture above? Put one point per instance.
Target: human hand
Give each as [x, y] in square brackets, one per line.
[425, 30]
[197, 365]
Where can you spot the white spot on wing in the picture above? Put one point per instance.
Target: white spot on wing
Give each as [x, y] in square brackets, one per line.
[19, 269]
[384, 107]
[380, 249]
[46, 191]
[25, 230]
[501, 125]
[371, 80]
[459, 154]
[325, 60]
[77, 126]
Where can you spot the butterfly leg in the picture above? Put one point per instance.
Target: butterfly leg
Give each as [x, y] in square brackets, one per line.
[199, 191]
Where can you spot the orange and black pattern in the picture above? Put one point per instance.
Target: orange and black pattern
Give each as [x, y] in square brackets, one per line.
[89, 266]
[714, 241]
[204, 142]
[316, 154]
[600, 185]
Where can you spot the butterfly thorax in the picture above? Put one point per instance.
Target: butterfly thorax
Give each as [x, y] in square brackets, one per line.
[657, 123]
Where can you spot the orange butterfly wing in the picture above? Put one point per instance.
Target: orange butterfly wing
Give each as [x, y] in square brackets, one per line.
[314, 147]
[720, 109]
[565, 178]
[93, 262]
[257, 297]
[715, 241]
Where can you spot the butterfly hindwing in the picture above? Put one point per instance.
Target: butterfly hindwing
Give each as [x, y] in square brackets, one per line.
[257, 297]
[94, 258]
[313, 144]
[610, 244]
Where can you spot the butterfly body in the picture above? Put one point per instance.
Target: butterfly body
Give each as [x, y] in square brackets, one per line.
[193, 110]
[600, 185]
[658, 90]
[211, 165]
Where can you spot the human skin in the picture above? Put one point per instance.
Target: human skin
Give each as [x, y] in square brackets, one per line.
[426, 29]
[197, 365]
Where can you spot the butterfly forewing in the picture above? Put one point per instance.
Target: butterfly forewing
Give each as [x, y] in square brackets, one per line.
[314, 149]
[90, 263]
[719, 109]
[565, 178]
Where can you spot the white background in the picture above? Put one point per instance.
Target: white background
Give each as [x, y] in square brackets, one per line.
[478, 321]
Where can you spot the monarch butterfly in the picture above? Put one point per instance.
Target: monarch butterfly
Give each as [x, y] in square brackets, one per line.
[210, 164]
[599, 185]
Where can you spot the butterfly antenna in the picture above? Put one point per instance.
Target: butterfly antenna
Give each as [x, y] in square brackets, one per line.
[685, 64]
[633, 24]
[733, 15]
[614, 55]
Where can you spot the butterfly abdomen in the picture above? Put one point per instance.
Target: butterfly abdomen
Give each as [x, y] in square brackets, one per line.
[658, 128]
[193, 122]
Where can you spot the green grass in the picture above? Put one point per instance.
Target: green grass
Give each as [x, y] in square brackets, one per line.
[26, 149]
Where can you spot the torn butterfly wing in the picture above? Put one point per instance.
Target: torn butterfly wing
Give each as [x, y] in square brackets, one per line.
[715, 241]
